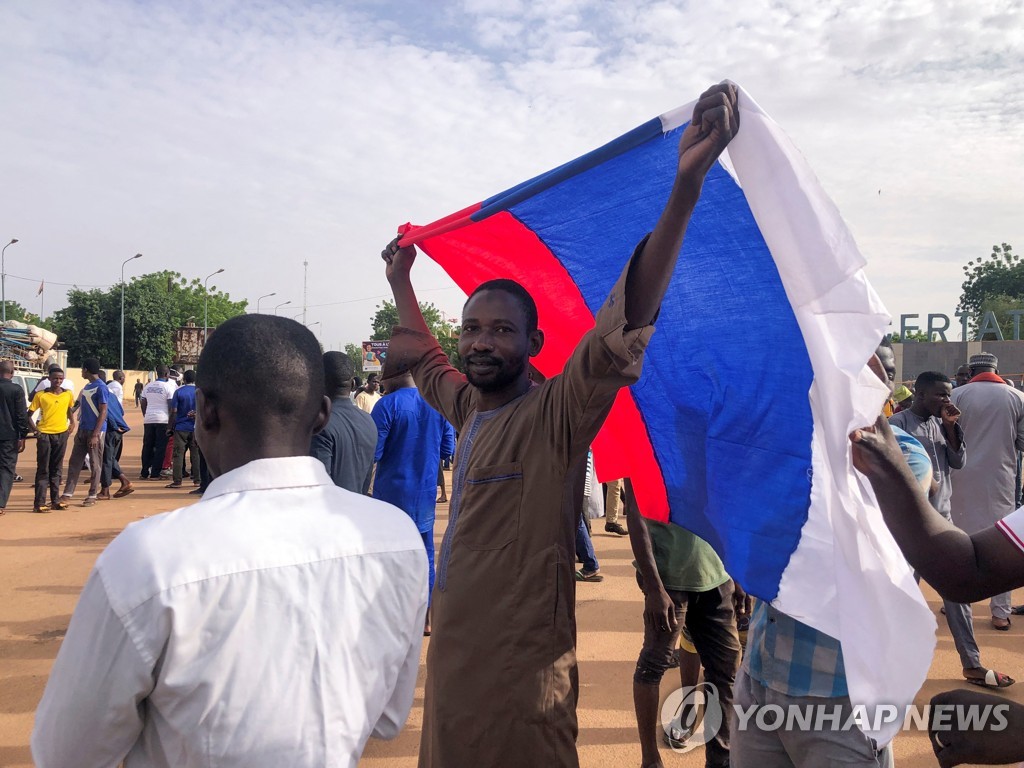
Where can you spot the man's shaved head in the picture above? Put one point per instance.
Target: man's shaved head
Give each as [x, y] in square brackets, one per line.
[266, 372]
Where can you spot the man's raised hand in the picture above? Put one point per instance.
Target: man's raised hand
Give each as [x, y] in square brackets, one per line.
[399, 260]
[716, 119]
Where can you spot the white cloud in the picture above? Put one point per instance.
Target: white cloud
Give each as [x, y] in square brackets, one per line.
[254, 136]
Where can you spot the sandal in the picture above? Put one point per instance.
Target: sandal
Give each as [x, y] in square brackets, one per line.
[41, 509]
[173, 485]
[582, 575]
[61, 506]
[992, 679]
[997, 624]
[89, 501]
[120, 493]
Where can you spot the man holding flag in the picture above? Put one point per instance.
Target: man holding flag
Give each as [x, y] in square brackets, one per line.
[507, 558]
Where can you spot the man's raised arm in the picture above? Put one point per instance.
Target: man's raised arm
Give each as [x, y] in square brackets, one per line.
[399, 263]
[960, 567]
[714, 123]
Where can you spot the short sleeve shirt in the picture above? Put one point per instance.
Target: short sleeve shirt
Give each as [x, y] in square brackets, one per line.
[686, 563]
[53, 411]
[184, 402]
[156, 394]
[94, 395]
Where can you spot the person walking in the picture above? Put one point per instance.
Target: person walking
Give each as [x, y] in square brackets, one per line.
[13, 427]
[182, 425]
[56, 407]
[90, 439]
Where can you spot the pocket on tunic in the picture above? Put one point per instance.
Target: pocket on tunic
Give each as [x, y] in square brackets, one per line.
[489, 508]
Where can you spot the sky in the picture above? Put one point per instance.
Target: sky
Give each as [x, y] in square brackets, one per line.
[256, 137]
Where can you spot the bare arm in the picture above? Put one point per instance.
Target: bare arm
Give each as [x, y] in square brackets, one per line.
[399, 264]
[962, 568]
[657, 604]
[714, 123]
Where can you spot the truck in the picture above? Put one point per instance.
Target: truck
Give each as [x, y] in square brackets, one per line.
[32, 350]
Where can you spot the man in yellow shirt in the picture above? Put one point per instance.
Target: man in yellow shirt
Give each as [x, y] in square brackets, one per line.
[57, 420]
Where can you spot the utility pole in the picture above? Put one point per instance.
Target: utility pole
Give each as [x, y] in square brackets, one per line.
[305, 283]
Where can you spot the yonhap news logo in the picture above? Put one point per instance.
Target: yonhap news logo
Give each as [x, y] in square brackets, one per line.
[693, 716]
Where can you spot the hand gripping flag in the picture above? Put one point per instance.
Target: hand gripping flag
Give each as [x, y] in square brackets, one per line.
[738, 428]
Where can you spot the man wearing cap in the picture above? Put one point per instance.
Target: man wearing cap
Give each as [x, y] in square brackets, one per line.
[992, 419]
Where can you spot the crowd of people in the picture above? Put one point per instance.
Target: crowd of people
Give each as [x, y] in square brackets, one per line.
[94, 422]
[279, 621]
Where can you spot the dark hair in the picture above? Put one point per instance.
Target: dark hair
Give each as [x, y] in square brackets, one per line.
[886, 342]
[928, 379]
[91, 364]
[55, 369]
[263, 368]
[338, 370]
[190, 377]
[372, 377]
[517, 292]
[162, 371]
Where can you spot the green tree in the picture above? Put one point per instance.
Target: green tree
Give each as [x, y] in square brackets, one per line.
[993, 284]
[910, 336]
[447, 334]
[154, 306]
[17, 312]
[355, 354]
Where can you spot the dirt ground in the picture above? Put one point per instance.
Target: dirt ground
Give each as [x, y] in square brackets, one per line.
[46, 558]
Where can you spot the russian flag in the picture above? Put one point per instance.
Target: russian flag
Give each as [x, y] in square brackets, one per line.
[755, 376]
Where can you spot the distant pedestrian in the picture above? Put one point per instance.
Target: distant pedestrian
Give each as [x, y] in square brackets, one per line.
[368, 396]
[13, 427]
[57, 418]
[90, 440]
[117, 428]
[155, 402]
[116, 387]
[182, 425]
[138, 392]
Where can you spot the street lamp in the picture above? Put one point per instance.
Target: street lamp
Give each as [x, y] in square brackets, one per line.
[136, 256]
[3, 278]
[261, 298]
[206, 305]
[281, 305]
[310, 326]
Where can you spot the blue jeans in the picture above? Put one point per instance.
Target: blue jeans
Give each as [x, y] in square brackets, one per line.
[428, 543]
[585, 547]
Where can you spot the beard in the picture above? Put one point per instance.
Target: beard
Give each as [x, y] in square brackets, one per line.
[502, 376]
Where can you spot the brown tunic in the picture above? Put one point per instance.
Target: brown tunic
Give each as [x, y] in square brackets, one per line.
[501, 668]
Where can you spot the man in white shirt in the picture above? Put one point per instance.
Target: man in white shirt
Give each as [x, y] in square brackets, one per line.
[276, 622]
[44, 383]
[116, 386]
[156, 397]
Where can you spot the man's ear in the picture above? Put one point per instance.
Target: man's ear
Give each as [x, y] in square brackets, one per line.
[207, 414]
[323, 416]
[536, 342]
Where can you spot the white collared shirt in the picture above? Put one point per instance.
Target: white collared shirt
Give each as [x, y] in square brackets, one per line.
[277, 622]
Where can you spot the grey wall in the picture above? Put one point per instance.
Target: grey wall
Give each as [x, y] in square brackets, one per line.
[913, 358]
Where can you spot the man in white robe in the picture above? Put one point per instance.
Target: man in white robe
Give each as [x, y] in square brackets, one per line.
[984, 492]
